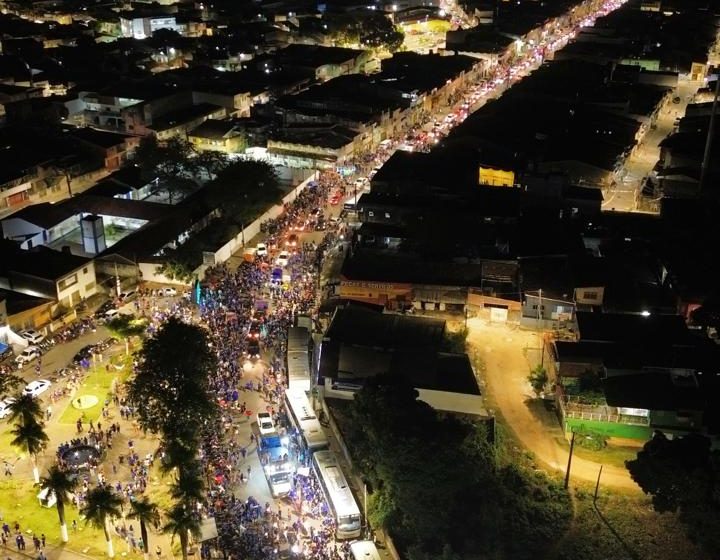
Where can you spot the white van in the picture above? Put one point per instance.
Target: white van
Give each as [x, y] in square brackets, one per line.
[28, 355]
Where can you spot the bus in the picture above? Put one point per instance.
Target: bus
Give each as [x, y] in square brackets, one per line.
[298, 359]
[338, 495]
[364, 550]
[303, 420]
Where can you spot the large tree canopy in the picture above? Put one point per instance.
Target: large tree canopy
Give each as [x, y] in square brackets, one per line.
[436, 484]
[242, 188]
[171, 385]
[683, 475]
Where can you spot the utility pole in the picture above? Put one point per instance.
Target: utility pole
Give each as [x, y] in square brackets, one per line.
[597, 484]
[708, 141]
[567, 472]
[539, 308]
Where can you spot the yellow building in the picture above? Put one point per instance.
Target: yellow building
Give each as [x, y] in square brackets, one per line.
[495, 177]
[221, 136]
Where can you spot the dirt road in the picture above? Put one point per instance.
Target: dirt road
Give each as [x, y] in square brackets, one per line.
[502, 350]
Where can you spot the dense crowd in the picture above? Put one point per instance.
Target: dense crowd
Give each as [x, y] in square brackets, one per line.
[231, 301]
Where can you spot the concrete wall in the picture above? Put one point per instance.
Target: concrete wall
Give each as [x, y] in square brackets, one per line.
[149, 273]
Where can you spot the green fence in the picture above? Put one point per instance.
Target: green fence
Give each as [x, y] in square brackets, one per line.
[610, 429]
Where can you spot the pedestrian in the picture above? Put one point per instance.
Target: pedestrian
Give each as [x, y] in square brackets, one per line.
[74, 525]
[158, 551]
[42, 539]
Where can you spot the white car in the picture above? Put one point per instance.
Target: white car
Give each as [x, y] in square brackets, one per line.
[261, 250]
[35, 388]
[5, 407]
[127, 296]
[33, 337]
[28, 355]
[283, 258]
[168, 292]
[265, 423]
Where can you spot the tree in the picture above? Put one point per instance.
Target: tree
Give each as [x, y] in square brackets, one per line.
[24, 409]
[378, 31]
[188, 486]
[8, 382]
[61, 484]
[32, 438]
[538, 378]
[210, 162]
[170, 163]
[183, 523]
[146, 512]
[171, 387]
[101, 504]
[682, 476]
[125, 327]
[242, 188]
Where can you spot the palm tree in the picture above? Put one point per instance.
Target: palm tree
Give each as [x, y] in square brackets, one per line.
[31, 437]
[145, 512]
[182, 522]
[60, 483]
[101, 504]
[25, 408]
[188, 486]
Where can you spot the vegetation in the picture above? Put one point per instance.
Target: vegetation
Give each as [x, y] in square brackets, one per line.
[439, 486]
[101, 504]
[622, 526]
[125, 327]
[28, 433]
[171, 387]
[538, 378]
[590, 439]
[366, 30]
[455, 341]
[182, 522]
[682, 476]
[171, 392]
[144, 511]
[60, 483]
[170, 162]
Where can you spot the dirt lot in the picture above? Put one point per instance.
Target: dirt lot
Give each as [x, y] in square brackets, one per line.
[502, 354]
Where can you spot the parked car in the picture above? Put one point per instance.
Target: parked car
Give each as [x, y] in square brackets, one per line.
[261, 250]
[265, 423]
[5, 407]
[33, 337]
[28, 355]
[84, 353]
[168, 292]
[282, 259]
[127, 296]
[35, 388]
[104, 309]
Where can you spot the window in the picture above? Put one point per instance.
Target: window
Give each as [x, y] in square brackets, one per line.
[85, 270]
[590, 295]
[67, 282]
[387, 215]
[371, 213]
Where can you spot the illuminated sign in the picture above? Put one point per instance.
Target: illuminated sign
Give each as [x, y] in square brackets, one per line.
[496, 177]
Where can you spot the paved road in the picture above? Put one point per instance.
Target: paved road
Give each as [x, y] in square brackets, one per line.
[501, 349]
[624, 196]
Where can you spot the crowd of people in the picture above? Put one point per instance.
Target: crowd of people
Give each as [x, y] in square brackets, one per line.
[231, 301]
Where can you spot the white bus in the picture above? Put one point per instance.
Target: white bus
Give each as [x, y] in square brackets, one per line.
[364, 550]
[298, 359]
[337, 495]
[303, 419]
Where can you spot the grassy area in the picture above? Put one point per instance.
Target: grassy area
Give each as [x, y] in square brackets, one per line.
[18, 502]
[612, 455]
[98, 383]
[624, 527]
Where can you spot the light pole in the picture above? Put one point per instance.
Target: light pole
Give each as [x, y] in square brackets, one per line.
[567, 472]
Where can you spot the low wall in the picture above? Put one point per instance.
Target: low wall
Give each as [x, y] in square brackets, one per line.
[149, 273]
